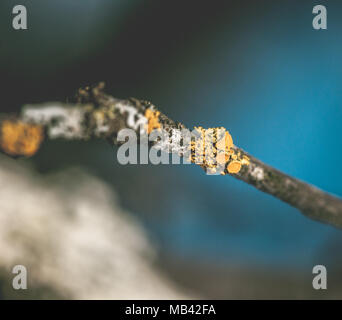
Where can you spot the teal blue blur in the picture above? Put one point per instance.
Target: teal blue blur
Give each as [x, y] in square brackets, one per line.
[276, 84]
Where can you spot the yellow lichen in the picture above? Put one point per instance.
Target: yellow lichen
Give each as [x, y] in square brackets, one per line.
[20, 139]
[234, 166]
[153, 120]
[225, 142]
[213, 150]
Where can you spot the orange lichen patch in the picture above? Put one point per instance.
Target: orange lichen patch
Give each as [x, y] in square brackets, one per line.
[224, 145]
[234, 166]
[237, 162]
[153, 120]
[213, 150]
[19, 138]
[226, 142]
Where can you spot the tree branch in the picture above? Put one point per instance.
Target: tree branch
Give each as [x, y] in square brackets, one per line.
[100, 115]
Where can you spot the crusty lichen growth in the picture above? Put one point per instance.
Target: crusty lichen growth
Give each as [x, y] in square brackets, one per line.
[153, 120]
[20, 139]
[212, 149]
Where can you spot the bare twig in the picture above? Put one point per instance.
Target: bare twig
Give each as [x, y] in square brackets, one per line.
[100, 115]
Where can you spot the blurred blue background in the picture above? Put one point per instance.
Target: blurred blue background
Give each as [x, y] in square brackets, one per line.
[257, 68]
[276, 84]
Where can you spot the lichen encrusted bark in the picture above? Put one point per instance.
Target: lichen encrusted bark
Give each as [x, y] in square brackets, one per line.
[100, 115]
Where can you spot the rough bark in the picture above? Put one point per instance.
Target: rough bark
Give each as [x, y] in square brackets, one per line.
[102, 116]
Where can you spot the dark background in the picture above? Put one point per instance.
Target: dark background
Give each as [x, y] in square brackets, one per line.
[256, 67]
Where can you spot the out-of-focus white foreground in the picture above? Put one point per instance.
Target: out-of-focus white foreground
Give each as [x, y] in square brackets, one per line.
[70, 233]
